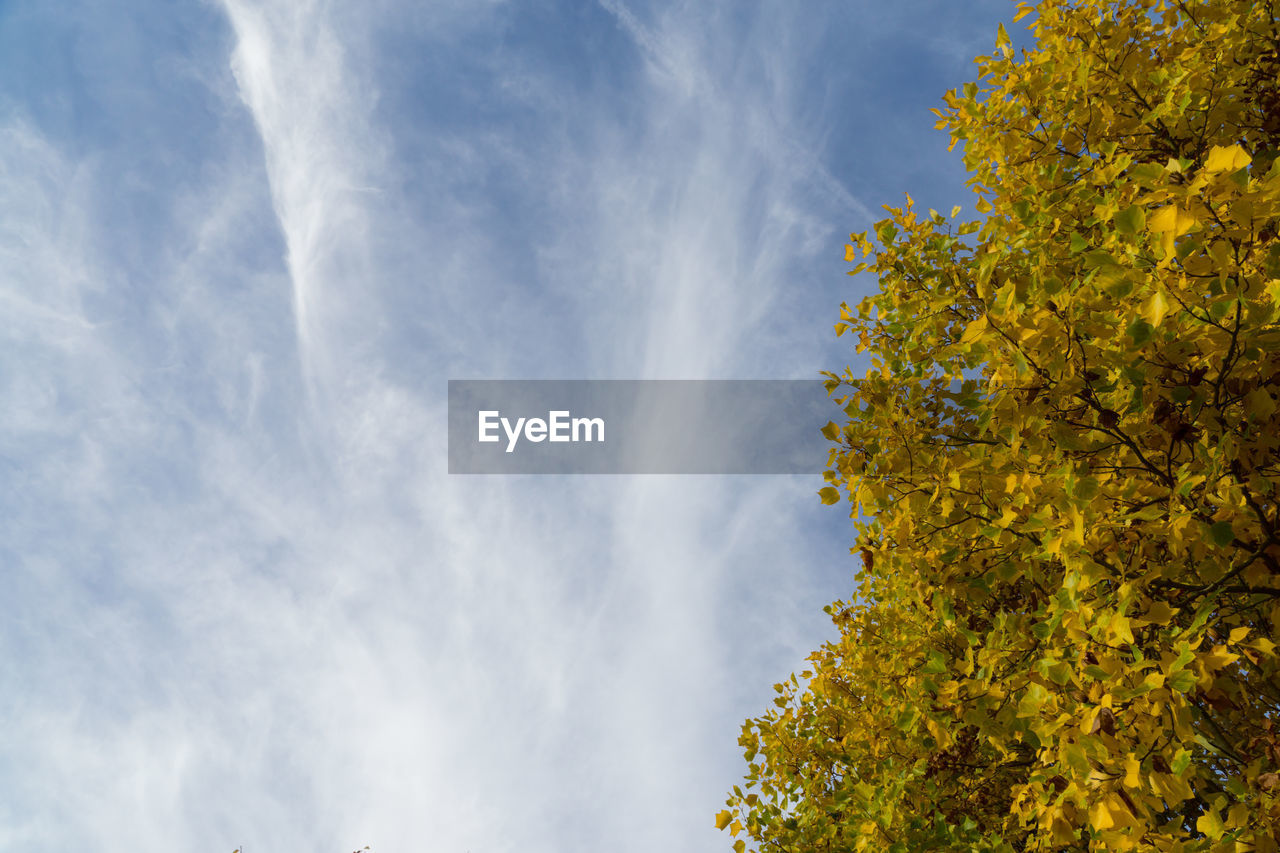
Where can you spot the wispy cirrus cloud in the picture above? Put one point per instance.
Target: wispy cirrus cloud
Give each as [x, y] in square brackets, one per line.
[247, 603]
[323, 162]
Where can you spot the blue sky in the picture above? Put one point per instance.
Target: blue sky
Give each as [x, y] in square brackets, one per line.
[244, 244]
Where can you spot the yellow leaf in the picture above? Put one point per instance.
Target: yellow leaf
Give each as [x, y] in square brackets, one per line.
[1131, 769]
[1226, 158]
[1100, 816]
[1170, 787]
[1077, 525]
[849, 253]
[1210, 824]
[1120, 628]
[1155, 308]
[1159, 613]
[1091, 716]
[1171, 218]
[722, 819]
[1237, 634]
[1259, 405]
[1064, 831]
[1217, 659]
[829, 494]
[974, 330]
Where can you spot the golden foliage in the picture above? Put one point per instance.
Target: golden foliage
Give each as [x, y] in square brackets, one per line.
[1063, 469]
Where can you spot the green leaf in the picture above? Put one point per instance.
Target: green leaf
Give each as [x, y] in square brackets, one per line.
[1221, 533]
[907, 718]
[1032, 700]
[1181, 761]
[1183, 681]
[1131, 220]
[1140, 332]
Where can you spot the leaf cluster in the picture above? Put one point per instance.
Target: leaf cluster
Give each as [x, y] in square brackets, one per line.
[1063, 468]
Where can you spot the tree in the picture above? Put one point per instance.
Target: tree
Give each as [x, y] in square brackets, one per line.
[1062, 466]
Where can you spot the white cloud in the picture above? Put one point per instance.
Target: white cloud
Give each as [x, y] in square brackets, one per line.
[252, 614]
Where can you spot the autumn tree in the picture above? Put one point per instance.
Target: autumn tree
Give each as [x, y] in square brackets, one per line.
[1063, 470]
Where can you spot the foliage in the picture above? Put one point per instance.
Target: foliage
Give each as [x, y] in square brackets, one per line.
[1063, 466]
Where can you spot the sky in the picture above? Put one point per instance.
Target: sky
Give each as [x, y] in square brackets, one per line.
[244, 244]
